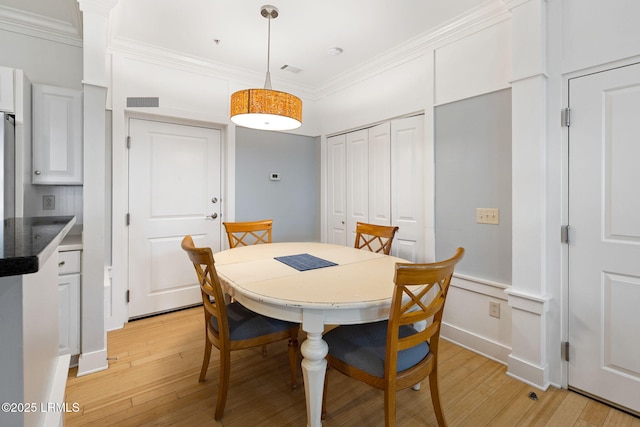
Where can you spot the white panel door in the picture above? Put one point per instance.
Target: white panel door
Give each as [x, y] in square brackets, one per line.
[336, 190]
[604, 248]
[174, 190]
[408, 187]
[357, 181]
[380, 174]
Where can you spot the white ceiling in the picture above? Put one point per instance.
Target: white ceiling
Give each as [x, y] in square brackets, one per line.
[300, 36]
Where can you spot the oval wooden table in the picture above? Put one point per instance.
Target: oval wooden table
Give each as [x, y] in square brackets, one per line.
[357, 289]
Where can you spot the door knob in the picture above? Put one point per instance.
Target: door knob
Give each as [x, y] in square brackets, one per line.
[214, 215]
[37, 172]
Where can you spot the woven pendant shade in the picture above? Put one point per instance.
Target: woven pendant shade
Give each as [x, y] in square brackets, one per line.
[266, 109]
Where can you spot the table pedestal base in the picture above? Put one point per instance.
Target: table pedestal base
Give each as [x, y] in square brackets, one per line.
[314, 366]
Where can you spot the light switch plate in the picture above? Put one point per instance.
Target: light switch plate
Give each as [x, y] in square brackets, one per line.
[494, 309]
[488, 216]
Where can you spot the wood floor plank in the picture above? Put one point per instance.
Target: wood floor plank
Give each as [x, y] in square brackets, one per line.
[569, 412]
[499, 401]
[619, 419]
[594, 413]
[543, 409]
[152, 380]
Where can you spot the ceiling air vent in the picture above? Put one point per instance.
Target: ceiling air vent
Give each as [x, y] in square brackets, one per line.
[294, 70]
[141, 102]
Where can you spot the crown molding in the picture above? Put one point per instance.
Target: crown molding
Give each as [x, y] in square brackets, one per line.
[241, 77]
[101, 7]
[29, 24]
[489, 13]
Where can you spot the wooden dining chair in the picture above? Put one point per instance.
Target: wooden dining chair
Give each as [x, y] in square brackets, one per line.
[376, 238]
[392, 355]
[231, 327]
[249, 232]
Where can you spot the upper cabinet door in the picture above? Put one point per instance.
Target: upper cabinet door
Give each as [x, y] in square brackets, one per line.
[57, 135]
[6, 89]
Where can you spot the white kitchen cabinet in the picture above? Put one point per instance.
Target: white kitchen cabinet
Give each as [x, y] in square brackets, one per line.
[377, 175]
[69, 302]
[57, 135]
[6, 90]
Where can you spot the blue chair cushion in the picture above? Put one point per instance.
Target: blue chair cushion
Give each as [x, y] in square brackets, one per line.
[245, 324]
[363, 346]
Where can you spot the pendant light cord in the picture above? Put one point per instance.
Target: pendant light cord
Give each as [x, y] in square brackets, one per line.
[267, 82]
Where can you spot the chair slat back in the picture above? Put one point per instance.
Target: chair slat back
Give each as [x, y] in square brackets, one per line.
[249, 232]
[419, 295]
[375, 238]
[213, 298]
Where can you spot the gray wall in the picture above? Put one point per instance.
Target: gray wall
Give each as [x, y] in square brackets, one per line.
[293, 202]
[473, 170]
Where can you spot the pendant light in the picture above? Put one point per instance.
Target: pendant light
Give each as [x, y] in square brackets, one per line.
[266, 109]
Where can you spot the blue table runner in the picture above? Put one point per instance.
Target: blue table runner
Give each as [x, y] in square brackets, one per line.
[304, 262]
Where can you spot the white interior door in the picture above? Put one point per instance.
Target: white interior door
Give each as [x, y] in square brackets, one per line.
[380, 174]
[604, 248]
[336, 190]
[174, 190]
[357, 173]
[408, 187]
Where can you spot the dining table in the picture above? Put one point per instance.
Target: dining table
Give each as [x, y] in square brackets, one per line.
[312, 283]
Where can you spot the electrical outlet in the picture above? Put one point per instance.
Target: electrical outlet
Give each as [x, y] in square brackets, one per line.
[488, 216]
[494, 309]
[48, 203]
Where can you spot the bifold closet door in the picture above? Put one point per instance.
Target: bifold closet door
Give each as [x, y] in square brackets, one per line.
[408, 187]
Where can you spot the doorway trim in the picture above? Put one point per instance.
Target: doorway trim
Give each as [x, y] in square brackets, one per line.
[116, 307]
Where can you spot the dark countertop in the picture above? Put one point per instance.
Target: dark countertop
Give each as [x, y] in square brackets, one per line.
[28, 242]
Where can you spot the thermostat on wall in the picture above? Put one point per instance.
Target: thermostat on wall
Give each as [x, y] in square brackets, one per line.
[274, 176]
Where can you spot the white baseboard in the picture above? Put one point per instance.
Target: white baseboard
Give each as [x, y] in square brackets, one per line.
[535, 376]
[53, 417]
[95, 361]
[481, 345]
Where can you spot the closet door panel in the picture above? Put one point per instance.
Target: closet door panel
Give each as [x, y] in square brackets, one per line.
[380, 174]
[336, 183]
[357, 181]
[408, 187]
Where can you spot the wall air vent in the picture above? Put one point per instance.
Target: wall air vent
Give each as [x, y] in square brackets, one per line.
[142, 102]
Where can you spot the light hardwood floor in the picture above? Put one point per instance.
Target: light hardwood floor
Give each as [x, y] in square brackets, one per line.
[152, 380]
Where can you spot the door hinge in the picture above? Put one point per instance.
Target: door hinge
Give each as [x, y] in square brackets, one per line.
[564, 350]
[565, 117]
[127, 219]
[127, 296]
[128, 142]
[564, 234]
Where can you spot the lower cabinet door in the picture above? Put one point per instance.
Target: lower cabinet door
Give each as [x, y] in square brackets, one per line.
[69, 313]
